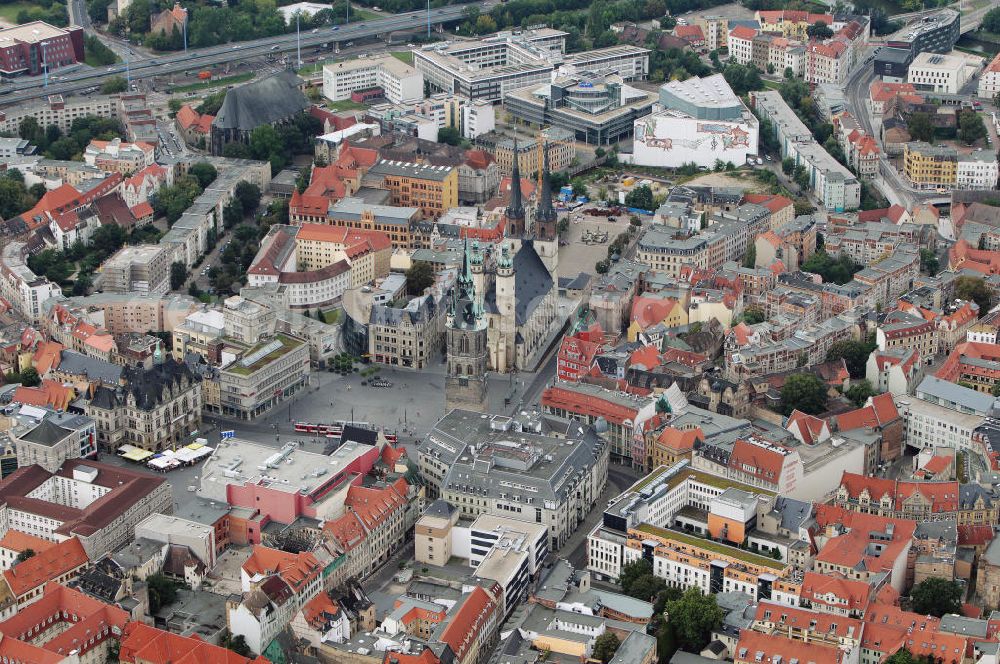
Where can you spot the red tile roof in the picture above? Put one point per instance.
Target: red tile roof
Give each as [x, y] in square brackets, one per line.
[943, 496]
[764, 463]
[586, 404]
[774, 648]
[63, 558]
[649, 311]
[854, 596]
[296, 569]
[148, 645]
[680, 441]
[468, 620]
[975, 535]
[50, 393]
[346, 530]
[15, 540]
[810, 427]
[818, 622]
[866, 542]
[742, 32]
[374, 505]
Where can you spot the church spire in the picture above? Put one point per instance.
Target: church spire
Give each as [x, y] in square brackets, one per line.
[545, 212]
[465, 309]
[515, 209]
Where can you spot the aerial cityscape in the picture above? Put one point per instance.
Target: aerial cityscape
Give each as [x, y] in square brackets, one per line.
[500, 332]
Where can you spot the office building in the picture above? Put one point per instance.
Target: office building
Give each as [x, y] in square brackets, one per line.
[597, 111]
[37, 47]
[533, 468]
[935, 72]
[400, 83]
[704, 122]
[937, 33]
[490, 68]
[431, 189]
[266, 374]
[50, 438]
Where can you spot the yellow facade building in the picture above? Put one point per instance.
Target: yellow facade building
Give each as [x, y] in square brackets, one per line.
[432, 189]
[929, 166]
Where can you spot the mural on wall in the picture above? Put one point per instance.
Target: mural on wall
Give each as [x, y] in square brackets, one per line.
[732, 136]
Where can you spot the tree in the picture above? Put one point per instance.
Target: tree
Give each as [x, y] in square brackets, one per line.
[96, 52]
[692, 619]
[24, 555]
[854, 353]
[238, 644]
[929, 262]
[920, 127]
[859, 392]
[836, 270]
[936, 596]
[801, 176]
[787, 165]
[754, 314]
[640, 197]
[803, 391]
[29, 377]
[630, 572]
[178, 274]
[449, 135]
[819, 30]
[162, 591]
[605, 647]
[971, 127]
[991, 20]
[975, 290]
[419, 276]
[248, 194]
[113, 85]
[14, 198]
[750, 257]
[204, 173]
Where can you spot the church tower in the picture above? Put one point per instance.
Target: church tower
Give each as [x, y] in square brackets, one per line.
[514, 214]
[547, 221]
[465, 384]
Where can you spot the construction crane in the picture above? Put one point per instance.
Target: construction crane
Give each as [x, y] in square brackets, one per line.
[541, 141]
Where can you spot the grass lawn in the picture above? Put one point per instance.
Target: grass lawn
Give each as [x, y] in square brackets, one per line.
[201, 85]
[362, 14]
[9, 12]
[345, 105]
[331, 317]
[772, 85]
[405, 56]
[92, 61]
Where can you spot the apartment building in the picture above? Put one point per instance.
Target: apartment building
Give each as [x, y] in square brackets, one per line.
[989, 80]
[431, 189]
[96, 504]
[142, 270]
[117, 157]
[944, 414]
[977, 170]
[400, 83]
[830, 180]
[928, 166]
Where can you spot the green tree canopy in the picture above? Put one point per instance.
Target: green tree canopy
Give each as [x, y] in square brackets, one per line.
[819, 30]
[920, 127]
[640, 197]
[419, 276]
[692, 619]
[803, 391]
[854, 353]
[971, 127]
[754, 314]
[113, 85]
[605, 647]
[204, 172]
[178, 274]
[859, 392]
[975, 290]
[936, 596]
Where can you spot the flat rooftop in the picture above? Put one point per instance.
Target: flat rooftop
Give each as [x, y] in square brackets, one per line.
[289, 469]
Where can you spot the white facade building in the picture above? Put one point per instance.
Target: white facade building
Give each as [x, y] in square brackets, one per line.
[989, 82]
[977, 170]
[934, 72]
[400, 82]
[478, 117]
[704, 121]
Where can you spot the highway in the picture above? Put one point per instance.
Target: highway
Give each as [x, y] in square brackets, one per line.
[18, 92]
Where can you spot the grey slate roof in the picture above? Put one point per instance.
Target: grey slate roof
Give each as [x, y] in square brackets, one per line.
[793, 512]
[147, 386]
[46, 433]
[261, 102]
[72, 362]
[532, 282]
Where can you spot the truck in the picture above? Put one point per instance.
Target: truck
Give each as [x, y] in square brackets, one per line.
[205, 75]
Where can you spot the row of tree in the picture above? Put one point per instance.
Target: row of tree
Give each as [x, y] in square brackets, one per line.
[173, 200]
[70, 146]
